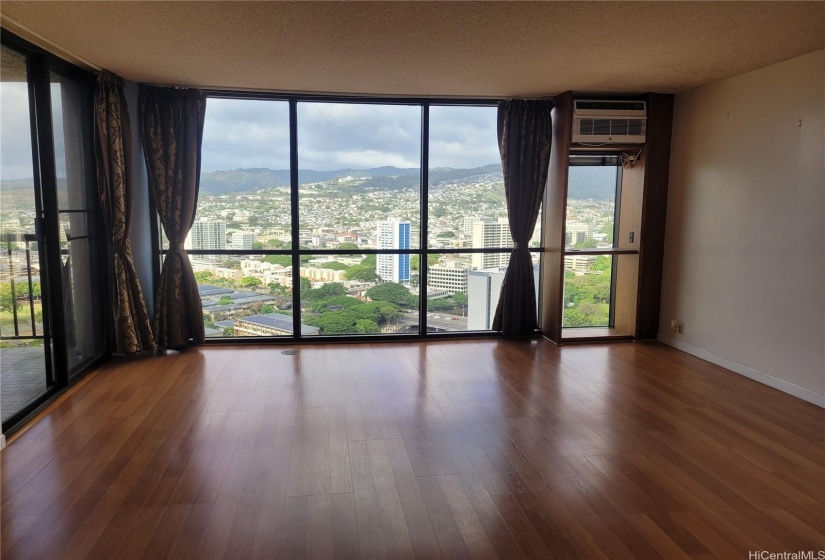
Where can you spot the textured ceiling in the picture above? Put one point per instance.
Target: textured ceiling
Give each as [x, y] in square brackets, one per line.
[426, 48]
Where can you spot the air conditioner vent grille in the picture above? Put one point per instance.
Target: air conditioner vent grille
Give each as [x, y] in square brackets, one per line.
[616, 129]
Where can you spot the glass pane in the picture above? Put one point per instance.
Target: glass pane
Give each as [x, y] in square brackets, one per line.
[466, 206]
[244, 200]
[344, 295]
[68, 116]
[247, 295]
[23, 374]
[587, 290]
[462, 297]
[591, 206]
[359, 176]
[80, 268]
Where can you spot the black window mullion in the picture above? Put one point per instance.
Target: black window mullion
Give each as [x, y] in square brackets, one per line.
[424, 219]
[296, 229]
[44, 162]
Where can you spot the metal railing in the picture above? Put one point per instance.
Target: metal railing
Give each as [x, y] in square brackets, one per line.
[16, 270]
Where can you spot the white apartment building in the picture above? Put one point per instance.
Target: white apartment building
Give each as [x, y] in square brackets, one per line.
[241, 240]
[206, 235]
[489, 234]
[322, 274]
[450, 276]
[467, 225]
[267, 273]
[575, 233]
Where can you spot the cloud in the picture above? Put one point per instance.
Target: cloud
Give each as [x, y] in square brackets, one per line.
[245, 133]
[254, 133]
[15, 134]
[242, 133]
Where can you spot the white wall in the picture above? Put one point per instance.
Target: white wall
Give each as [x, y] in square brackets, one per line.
[745, 243]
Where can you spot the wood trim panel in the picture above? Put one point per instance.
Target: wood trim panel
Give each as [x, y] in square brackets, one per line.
[654, 210]
[554, 218]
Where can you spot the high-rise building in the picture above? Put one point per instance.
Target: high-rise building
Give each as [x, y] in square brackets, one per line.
[393, 234]
[467, 225]
[206, 235]
[487, 235]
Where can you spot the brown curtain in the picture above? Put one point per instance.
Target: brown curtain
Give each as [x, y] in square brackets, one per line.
[171, 129]
[524, 139]
[132, 331]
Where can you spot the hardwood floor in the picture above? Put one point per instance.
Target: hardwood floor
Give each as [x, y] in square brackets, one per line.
[476, 449]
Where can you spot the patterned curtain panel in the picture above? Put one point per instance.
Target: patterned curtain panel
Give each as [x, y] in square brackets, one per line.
[171, 129]
[524, 139]
[132, 331]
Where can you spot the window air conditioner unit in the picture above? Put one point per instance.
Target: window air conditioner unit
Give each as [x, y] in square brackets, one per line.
[609, 122]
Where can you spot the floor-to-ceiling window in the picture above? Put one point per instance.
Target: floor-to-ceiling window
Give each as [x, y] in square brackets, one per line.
[335, 216]
[594, 183]
[51, 312]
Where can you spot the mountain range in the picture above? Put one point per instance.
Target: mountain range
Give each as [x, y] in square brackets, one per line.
[586, 183]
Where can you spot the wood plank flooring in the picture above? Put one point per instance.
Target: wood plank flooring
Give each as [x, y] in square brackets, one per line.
[466, 449]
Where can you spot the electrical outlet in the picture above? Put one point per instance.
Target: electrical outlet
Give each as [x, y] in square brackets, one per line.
[675, 326]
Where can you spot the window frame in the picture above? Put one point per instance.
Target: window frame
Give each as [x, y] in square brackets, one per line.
[606, 157]
[41, 64]
[297, 252]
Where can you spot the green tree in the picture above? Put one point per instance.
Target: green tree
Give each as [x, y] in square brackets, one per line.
[283, 260]
[6, 301]
[228, 331]
[204, 277]
[278, 289]
[602, 264]
[257, 245]
[348, 245]
[268, 308]
[225, 300]
[365, 326]
[337, 301]
[587, 244]
[441, 304]
[335, 265]
[326, 291]
[393, 293]
[305, 285]
[361, 273]
[250, 282]
[415, 261]
[370, 261]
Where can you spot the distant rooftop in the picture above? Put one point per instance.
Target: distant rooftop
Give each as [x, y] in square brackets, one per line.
[278, 321]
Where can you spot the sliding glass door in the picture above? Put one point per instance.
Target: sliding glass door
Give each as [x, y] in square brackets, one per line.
[25, 362]
[52, 262]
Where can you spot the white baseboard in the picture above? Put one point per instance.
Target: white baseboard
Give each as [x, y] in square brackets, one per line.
[2, 441]
[765, 378]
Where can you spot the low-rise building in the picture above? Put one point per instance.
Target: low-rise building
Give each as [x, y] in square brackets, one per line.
[450, 276]
[271, 324]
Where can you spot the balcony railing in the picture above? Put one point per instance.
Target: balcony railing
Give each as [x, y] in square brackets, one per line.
[20, 299]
